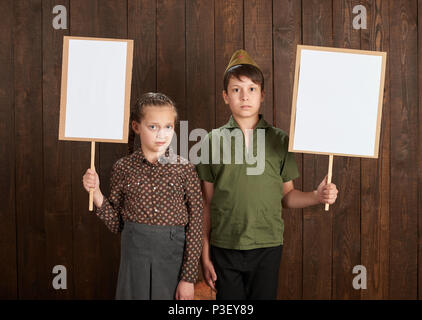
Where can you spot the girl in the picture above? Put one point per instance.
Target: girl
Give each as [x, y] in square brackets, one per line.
[156, 202]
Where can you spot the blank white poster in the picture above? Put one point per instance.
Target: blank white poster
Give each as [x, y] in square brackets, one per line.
[95, 98]
[337, 102]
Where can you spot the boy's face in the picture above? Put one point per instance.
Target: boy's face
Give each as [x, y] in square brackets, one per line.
[243, 96]
[156, 128]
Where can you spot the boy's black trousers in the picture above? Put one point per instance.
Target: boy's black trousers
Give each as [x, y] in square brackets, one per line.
[246, 274]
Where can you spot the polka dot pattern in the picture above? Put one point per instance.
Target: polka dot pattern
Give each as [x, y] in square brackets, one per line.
[164, 193]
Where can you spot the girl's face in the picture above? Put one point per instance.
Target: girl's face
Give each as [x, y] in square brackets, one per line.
[156, 128]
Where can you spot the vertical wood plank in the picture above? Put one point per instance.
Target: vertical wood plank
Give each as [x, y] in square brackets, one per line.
[94, 244]
[36, 220]
[200, 77]
[33, 273]
[286, 36]
[171, 51]
[346, 175]
[258, 43]
[317, 224]
[228, 39]
[57, 157]
[86, 227]
[375, 174]
[112, 22]
[142, 29]
[419, 151]
[404, 129]
[8, 249]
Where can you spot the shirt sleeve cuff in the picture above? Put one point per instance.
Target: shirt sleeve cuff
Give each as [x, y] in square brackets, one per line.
[101, 210]
[187, 278]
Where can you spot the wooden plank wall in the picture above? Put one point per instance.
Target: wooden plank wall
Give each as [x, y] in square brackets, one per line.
[181, 49]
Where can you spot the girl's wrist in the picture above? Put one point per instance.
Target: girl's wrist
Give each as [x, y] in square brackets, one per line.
[98, 198]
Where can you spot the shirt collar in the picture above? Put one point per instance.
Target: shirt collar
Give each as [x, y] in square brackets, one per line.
[233, 124]
[163, 159]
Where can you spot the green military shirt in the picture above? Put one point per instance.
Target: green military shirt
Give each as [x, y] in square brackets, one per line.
[246, 210]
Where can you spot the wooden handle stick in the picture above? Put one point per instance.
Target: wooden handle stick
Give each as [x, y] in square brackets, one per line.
[91, 191]
[330, 173]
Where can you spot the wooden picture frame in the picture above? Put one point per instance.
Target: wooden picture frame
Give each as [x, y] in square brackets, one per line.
[337, 103]
[95, 91]
[97, 49]
[315, 55]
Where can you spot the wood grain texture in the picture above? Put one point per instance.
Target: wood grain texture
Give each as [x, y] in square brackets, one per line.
[317, 224]
[57, 168]
[171, 51]
[8, 250]
[228, 39]
[346, 175]
[200, 77]
[257, 25]
[286, 37]
[112, 22]
[419, 151]
[404, 129]
[142, 29]
[94, 244]
[375, 174]
[182, 49]
[86, 227]
[33, 273]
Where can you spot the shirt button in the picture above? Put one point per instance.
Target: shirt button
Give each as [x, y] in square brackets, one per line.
[154, 188]
[155, 209]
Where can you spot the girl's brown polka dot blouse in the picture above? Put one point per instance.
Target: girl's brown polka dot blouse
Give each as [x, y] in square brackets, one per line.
[164, 193]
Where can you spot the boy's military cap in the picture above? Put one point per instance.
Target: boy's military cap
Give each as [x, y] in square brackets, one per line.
[241, 57]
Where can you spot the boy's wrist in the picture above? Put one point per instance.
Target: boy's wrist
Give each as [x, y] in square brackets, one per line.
[205, 257]
[315, 194]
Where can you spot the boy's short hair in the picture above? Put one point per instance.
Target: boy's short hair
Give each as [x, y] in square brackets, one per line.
[246, 70]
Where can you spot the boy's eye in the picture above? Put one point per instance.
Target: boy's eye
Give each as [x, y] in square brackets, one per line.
[153, 127]
[169, 127]
[236, 90]
[253, 89]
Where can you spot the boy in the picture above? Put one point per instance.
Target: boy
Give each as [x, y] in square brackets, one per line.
[243, 227]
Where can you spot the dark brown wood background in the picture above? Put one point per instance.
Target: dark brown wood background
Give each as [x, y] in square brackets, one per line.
[181, 49]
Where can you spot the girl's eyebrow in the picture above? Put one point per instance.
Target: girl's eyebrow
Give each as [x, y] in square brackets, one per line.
[157, 123]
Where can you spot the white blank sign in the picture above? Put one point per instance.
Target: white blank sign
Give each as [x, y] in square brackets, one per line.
[337, 101]
[95, 89]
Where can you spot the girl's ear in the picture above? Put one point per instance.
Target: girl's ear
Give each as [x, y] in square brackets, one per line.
[135, 126]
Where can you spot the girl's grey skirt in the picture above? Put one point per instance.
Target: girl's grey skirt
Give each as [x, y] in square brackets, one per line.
[150, 261]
